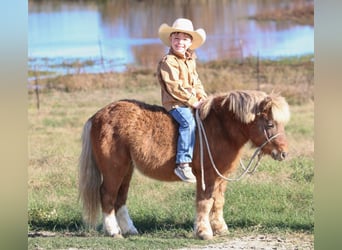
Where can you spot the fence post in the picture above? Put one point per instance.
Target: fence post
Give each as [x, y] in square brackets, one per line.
[36, 87]
[258, 72]
[101, 55]
[241, 51]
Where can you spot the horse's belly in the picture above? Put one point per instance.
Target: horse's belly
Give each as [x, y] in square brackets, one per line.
[155, 164]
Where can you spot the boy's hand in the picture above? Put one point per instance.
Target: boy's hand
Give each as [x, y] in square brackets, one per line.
[198, 104]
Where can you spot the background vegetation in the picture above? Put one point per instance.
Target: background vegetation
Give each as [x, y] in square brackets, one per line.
[278, 198]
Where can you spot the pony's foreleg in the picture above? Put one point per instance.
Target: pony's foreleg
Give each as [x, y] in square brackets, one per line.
[202, 223]
[217, 221]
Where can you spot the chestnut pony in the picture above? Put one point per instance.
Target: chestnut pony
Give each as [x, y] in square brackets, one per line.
[129, 133]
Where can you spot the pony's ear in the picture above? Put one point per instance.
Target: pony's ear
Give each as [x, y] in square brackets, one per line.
[265, 106]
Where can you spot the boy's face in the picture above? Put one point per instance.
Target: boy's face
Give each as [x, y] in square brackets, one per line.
[180, 42]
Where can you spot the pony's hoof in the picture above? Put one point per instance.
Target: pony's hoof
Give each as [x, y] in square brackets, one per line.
[117, 236]
[205, 236]
[132, 232]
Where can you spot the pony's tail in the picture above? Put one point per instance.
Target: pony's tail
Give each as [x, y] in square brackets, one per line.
[90, 179]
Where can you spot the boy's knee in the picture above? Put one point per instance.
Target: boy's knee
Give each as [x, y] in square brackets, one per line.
[193, 125]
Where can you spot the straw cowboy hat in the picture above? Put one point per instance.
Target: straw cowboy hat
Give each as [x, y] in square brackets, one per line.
[185, 26]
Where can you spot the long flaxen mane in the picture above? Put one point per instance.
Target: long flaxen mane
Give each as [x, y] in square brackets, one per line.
[245, 105]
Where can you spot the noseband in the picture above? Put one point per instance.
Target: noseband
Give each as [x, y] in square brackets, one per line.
[248, 169]
[268, 139]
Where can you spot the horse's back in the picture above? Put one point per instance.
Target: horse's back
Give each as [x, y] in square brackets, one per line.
[131, 119]
[145, 133]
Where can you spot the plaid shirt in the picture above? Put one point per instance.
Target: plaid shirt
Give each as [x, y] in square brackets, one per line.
[178, 78]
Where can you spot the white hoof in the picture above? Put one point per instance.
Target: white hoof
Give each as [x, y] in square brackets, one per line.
[125, 222]
[110, 225]
[203, 230]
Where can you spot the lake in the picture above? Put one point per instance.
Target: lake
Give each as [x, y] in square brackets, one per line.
[122, 34]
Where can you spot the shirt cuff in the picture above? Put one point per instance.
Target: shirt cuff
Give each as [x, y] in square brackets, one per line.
[192, 100]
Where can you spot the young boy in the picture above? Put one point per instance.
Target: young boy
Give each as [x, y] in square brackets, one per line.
[181, 89]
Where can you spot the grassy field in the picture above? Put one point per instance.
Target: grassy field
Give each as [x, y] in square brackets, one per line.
[278, 198]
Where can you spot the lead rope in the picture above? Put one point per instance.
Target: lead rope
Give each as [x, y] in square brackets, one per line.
[200, 129]
[257, 152]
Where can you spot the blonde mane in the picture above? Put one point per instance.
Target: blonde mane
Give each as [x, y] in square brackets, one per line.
[245, 105]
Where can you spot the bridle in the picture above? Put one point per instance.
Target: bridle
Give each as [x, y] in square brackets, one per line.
[249, 169]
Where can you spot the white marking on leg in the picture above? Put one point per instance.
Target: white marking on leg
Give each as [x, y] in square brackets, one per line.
[125, 222]
[110, 225]
[202, 227]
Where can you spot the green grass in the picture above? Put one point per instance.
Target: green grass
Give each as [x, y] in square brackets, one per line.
[278, 198]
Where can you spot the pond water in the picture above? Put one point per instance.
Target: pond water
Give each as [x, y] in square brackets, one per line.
[121, 34]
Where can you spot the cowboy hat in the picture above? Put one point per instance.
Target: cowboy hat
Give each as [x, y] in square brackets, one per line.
[185, 26]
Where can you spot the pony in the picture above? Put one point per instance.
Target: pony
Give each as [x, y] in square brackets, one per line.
[130, 133]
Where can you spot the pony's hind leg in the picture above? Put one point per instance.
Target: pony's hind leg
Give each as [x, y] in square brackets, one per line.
[114, 173]
[108, 195]
[124, 220]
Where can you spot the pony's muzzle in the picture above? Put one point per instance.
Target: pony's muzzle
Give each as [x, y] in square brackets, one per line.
[280, 156]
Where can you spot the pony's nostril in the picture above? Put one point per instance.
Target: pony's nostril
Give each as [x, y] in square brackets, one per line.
[283, 155]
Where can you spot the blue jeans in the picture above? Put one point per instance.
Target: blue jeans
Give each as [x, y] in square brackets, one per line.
[186, 137]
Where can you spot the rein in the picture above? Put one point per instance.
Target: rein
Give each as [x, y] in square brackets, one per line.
[248, 169]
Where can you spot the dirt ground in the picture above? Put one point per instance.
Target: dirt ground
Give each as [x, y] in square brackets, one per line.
[266, 242]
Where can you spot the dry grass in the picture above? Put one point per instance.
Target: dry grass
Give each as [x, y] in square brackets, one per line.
[293, 78]
[300, 12]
